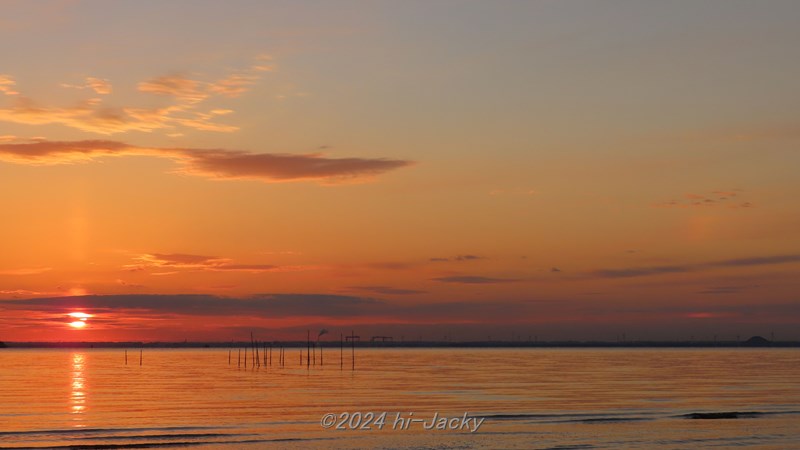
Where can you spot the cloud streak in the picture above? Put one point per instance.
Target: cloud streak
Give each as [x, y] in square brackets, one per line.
[386, 290]
[730, 199]
[209, 163]
[180, 261]
[631, 272]
[474, 280]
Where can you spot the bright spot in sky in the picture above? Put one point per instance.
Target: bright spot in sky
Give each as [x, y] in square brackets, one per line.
[81, 319]
[79, 315]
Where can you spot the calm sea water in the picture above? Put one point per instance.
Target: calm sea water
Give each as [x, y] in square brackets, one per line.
[530, 398]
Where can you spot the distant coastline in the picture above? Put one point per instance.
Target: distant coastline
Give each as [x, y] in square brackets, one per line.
[418, 344]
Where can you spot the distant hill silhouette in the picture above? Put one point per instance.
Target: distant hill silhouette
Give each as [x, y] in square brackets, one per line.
[757, 341]
[2, 344]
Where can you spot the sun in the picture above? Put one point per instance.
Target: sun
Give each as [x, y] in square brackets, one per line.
[81, 319]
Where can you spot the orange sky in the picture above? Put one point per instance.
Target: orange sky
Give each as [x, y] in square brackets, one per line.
[563, 171]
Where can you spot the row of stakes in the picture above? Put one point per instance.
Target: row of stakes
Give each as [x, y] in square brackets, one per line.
[267, 353]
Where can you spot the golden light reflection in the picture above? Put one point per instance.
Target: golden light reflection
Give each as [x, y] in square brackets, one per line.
[78, 394]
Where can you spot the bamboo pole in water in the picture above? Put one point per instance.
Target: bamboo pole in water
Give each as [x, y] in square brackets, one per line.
[239, 359]
[140, 356]
[126, 356]
[308, 349]
[341, 351]
[229, 357]
[353, 347]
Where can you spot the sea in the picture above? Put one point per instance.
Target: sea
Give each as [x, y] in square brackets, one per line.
[451, 398]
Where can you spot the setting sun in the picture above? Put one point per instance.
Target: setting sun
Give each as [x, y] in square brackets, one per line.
[77, 324]
[80, 315]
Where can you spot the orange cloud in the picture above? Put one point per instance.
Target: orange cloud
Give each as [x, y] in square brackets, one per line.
[25, 271]
[201, 262]
[91, 115]
[98, 85]
[7, 85]
[216, 163]
[178, 86]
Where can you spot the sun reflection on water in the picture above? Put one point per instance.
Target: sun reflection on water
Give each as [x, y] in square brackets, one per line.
[78, 392]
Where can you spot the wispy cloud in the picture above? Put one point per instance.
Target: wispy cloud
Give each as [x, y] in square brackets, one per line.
[717, 290]
[386, 290]
[98, 85]
[466, 279]
[25, 271]
[457, 258]
[200, 262]
[94, 116]
[722, 198]
[682, 268]
[7, 85]
[209, 163]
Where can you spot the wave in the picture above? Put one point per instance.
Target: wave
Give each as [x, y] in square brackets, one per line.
[106, 430]
[628, 417]
[160, 444]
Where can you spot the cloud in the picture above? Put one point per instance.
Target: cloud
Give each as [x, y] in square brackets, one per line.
[681, 268]
[458, 258]
[212, 263]
[270, 305]
[392, 265]
[641, 271]
[216, 163]
[178, 86]
[7, 84]
[98, 85]
[387, 290]
[720, 198]
[283, 167]
[715, 290]
[92, 115]
[474, 280]
[25, 271]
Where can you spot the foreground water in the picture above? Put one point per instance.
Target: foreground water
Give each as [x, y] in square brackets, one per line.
[529, 398]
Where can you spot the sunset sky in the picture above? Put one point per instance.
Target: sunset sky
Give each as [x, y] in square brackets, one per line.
[558, 169]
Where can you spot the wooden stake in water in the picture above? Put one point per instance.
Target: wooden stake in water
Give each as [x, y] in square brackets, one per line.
[353, 347]
[308, 349]
[341, 351]
[140, 356]
[229, 357]
[239, 359]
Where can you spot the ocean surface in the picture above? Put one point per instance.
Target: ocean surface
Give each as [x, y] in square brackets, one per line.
[528, 398]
